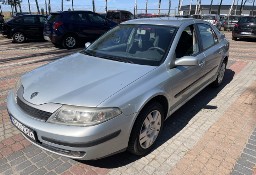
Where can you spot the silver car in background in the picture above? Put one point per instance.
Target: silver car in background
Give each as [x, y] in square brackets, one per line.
[214, 19]
[116, 94]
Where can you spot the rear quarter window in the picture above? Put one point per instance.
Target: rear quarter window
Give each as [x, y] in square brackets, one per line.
[52, 18]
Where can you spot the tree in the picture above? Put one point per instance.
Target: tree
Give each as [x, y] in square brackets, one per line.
[29, 9]
[220, 7]
[37, 6]
[93, 6]
[159, 6]
[49, 6]
[106, 6]
[210, 10]
[169, 10]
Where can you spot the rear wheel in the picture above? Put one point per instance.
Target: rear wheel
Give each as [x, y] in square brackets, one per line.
[69, 42]
[146, 129]
[220, 76]
[18, 37]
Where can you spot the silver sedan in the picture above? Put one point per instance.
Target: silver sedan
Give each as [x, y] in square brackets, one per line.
[116, 94]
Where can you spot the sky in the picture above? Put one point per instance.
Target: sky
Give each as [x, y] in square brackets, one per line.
[112, 4]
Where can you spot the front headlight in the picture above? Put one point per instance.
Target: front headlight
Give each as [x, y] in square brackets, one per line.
[82, 116]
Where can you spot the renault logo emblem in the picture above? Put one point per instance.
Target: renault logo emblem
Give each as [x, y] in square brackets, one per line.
[34, 95]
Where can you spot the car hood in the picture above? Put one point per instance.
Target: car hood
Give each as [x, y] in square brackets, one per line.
[79, 80]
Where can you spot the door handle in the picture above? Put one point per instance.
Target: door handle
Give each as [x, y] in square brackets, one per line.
[202, 63]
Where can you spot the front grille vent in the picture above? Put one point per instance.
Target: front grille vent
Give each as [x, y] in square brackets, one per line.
[33, 112]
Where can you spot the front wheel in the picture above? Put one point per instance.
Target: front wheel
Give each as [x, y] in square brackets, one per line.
[18, 37]
[146, 129]
[220, 76]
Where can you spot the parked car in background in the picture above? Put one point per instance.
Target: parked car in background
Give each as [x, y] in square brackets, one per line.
[70, 28]
[119, 16]
[196, 16]
[214, 19]
[230, 22]
[1, 22]
[116, 94]
[222, 19]
[24, 27]
[245, 28]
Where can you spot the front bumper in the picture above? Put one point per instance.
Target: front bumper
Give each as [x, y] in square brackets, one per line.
[84, 143]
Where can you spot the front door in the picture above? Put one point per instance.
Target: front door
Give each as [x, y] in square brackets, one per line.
[186, 80]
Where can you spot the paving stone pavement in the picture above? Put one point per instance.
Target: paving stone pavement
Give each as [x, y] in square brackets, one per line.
[214, 133]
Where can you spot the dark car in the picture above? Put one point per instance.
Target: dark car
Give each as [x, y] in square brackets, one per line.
[119, 16]
[245, 28]
[1, 22]
[230, 22]
[70, 28]
[24, 27]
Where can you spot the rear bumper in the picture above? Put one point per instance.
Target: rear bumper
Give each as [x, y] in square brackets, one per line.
[241, 35]
[53, 38]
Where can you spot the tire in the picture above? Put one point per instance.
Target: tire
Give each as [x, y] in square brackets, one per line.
[234, 38]
[18, 37]
[69, 42]
[220, 76]
[146, 129]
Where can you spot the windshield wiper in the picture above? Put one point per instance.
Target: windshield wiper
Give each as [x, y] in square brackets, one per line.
[120, 59]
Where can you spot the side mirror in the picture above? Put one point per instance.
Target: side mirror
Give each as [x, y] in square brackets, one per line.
[87, 45]
[187, 61]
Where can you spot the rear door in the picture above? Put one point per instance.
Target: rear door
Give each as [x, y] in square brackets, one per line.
[212, 49]
[40, 22]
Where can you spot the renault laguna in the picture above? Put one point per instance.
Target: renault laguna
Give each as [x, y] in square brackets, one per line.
[116, 94]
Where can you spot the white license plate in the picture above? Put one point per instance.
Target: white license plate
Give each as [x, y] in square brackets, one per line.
[24, 129]
[246, 33]
[47, 38]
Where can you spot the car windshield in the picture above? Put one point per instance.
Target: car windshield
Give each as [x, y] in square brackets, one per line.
[234, 18]
[208, 17]
[138, 44]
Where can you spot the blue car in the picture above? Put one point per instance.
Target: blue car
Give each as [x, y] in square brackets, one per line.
[70, 28]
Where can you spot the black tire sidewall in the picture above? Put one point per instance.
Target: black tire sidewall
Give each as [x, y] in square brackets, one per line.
[134, 145]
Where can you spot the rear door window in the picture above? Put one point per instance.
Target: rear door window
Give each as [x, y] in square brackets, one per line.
[96, 19]
[29, 19]
[208, 36]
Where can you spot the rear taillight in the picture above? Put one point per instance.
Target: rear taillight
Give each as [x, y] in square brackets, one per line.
[236, 25]
[56, 25]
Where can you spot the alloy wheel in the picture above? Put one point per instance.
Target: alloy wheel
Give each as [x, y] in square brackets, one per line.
[150, 129]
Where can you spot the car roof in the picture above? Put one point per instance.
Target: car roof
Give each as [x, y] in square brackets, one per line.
[210, 15]
[75, 11]
[169, 21]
